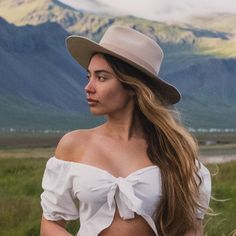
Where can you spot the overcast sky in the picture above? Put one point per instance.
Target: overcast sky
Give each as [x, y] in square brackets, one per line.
[157, 9]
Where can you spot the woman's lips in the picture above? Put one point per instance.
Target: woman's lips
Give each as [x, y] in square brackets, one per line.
[92, 101]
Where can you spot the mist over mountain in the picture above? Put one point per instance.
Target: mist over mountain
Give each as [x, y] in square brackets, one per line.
[41, 86]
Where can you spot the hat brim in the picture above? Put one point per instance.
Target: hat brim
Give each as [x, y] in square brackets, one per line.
[82, 50]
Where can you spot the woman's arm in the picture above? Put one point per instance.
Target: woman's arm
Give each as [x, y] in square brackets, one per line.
[56, 200]
[52, 228]
[198, 232]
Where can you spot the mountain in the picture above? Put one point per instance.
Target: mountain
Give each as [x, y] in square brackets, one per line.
[34, 12]
[202, 36]
[40, 83]
[208, 93]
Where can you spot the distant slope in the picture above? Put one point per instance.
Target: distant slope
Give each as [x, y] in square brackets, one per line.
[220, 22]
[220, 37]
[40, 85]
[208, 93]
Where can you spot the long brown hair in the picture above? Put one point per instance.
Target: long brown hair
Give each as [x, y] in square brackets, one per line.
[170, 146]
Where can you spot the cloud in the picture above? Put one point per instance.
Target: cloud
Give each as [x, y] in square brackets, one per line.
[169, 9]
[157, 9]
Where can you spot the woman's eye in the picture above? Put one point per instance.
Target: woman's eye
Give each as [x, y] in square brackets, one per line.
[101, 78]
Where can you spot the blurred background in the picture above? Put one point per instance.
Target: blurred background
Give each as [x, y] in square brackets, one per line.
[42, 89]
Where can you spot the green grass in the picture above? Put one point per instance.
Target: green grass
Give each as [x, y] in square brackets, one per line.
[224, 190]
[19, 193]
[20, 188]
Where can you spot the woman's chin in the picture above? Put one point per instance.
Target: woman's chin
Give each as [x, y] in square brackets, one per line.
[97, 112]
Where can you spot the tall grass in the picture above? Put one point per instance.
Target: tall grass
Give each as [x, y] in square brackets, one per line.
[224, 192]
[20, 188]
[19, 196]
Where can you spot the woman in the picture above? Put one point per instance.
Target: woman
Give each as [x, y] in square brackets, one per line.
[138, 173]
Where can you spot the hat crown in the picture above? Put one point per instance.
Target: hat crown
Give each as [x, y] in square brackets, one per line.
[140, 48]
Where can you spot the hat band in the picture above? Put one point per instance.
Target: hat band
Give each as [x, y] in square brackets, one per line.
[131, 57]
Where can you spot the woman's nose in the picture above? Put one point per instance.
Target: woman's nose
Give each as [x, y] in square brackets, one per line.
[90, 88]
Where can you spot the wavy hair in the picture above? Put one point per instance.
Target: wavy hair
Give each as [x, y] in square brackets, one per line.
[169, 146]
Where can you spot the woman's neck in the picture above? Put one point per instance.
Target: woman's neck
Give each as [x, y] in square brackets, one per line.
[124, 126]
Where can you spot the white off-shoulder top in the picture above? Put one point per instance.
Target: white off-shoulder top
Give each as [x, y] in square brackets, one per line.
[75, 190]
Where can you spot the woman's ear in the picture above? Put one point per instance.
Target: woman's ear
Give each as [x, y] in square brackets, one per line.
[131, 92]
[129, 89]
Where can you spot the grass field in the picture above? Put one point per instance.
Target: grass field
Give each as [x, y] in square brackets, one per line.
[20, 188]
[22, 162]
[224, 190]
[20, 212]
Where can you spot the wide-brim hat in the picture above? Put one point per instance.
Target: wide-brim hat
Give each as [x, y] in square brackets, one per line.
[130, 46]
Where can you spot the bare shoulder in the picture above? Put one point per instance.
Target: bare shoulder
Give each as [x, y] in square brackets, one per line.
[72, 145]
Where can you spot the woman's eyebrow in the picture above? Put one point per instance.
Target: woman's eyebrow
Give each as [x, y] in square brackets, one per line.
[101, 71]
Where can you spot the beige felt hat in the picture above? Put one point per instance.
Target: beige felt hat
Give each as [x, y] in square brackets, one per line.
[130, 46]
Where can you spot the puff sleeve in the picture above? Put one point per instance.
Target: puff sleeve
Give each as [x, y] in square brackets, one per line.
[204, 190]
[57, 200]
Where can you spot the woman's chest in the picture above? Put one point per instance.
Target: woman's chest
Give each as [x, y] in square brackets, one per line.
[119, 159]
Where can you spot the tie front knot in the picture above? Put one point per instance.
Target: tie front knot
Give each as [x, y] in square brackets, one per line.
[122, 193]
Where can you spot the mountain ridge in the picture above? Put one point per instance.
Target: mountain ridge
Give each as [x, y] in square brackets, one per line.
[91, 25]
[38, 76]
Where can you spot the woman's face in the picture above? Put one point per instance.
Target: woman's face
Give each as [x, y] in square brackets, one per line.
[105, 93]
